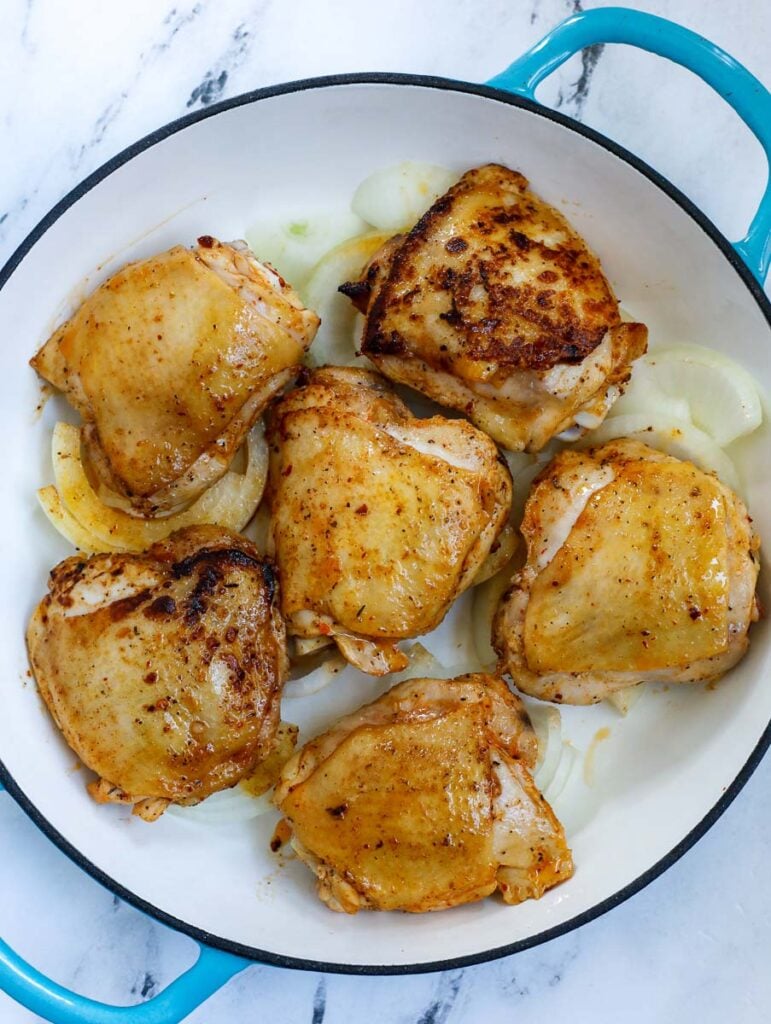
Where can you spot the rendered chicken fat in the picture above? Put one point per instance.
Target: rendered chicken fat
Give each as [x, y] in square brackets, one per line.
[639, 567]
[424, 800]
[163, 670]
[378, 519]
[171, 361]
[494, 306]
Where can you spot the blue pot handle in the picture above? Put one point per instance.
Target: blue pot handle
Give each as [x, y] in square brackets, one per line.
[748, 97]
[61, 1006]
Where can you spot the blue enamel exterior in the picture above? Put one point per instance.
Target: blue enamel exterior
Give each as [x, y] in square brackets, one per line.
[55, 1003]
[42, 996]
[748, 97]
[752, 102]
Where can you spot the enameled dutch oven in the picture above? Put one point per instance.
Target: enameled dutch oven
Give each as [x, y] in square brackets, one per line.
[307, 144]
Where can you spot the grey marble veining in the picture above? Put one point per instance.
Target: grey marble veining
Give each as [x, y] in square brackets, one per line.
[80, 81]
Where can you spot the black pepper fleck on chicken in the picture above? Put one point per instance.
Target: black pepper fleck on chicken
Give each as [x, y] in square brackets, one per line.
[493, 305]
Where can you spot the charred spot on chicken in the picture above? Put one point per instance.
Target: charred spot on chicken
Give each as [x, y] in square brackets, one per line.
[493, 305]
[163, 670]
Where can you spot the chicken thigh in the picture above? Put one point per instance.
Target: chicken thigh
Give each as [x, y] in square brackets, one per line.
[639, 567]
[494, 306]
[379, 520]
[163, 670]
[425, 800]
[171, 361]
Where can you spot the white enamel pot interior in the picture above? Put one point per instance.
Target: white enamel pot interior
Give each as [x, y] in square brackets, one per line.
[665, 772]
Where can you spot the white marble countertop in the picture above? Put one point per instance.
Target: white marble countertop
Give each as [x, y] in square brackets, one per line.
[79, 82]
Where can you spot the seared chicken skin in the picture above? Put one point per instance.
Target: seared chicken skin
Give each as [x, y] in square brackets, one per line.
[639, 567]
[163, 670]
[425, 800]
[379, 520]
[171, 361]
[494, 306]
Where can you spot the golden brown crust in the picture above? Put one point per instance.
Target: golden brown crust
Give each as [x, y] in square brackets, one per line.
[424, 800]
[640, 567]
[534, 323]
[171, 361]
[379, 519]
[163, 670]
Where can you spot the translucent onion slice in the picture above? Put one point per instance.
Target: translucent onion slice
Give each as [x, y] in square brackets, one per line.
[258, 528]
[568, 764]
[507, 543]
[309, 681]
[230, 502]
[424, 664]
[398, 196]
[572, 800]
[682, 440]
[335, 341]
[721, 395]
[643, 394]
[518, 462]
[547, 722]
[485, 602]
[67, 525]
[559, 772]
[294, 246]
[523, 483]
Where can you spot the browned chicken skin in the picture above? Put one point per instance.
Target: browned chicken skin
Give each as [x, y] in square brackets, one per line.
[170, 363]
[379, 520]
[163, 670]
[424, 800]
[494, 306]
[639, 567]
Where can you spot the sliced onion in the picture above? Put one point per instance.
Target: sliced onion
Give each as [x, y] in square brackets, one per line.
[721, 395]
[334, 341]
[258, 526]
[424, 664]
[518, 461]
[644, 395]
[572, 800]
[547, 722]
[569, 763]
[398, 196]
[507, 543]
[230, 502]
[294, 246]
[682, 440]
[573, 433]
[67, 525]
[486, 599]
[523, 482]
[559, 773]
[316, 679]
